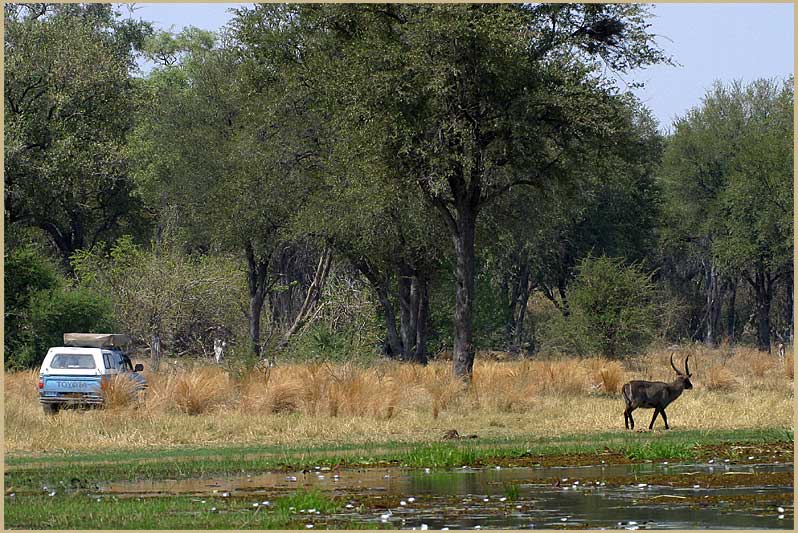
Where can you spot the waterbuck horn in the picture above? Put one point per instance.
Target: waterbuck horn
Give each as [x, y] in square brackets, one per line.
[687, 368]
[674, 366]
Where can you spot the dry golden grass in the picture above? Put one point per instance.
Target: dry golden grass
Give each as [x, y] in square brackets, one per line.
[789, 369]
[119, 392]
[718, 378]
[606, 375]
[438, 383]
[194, 391]
[759, 363]
[497, 387]
[563, 377]
[329, 403]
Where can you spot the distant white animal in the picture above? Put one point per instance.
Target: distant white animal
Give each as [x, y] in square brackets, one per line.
[219, 347]
[781, 351]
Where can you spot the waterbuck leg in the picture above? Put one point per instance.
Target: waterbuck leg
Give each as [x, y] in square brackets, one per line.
[665, 418]
[656, 412]
[628, 413]
[626, 418]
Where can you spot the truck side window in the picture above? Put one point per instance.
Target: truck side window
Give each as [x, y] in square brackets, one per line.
[111, 360]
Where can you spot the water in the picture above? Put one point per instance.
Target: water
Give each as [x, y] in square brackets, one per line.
[643, 496]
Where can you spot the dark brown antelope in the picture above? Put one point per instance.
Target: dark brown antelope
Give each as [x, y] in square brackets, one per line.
[655, 395]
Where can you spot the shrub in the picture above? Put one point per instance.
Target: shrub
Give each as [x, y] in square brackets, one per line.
[184, 299]
[26, 273]
[611, 310]
[53, 313]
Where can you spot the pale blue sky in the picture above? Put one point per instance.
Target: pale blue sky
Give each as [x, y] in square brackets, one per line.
[709, 42]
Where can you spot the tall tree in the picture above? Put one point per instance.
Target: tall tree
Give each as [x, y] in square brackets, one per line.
[483, 99]
[728, 170]
[68, 109]
[610, 208]
[245, 157]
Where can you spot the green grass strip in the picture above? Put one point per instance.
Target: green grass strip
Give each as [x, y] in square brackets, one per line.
[81, 470]
[84, 511]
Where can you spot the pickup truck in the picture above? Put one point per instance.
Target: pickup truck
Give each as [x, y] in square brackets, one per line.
[77, 373]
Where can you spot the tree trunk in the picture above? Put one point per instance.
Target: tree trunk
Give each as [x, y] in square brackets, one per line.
[714, 298]
[422, 291]
[518, 309]
[464, 351]
[408, 309]
[562, 288]
[257, 270]
[255, 309]
[394, 344]
[378, 282]
[790, 306]
[762, 290]
[730, 310]
[518, 333]
[313, 296]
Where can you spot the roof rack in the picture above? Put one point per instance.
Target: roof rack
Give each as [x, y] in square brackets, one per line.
[96, 340]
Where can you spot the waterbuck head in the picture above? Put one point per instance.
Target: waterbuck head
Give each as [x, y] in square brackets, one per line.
[683, 378]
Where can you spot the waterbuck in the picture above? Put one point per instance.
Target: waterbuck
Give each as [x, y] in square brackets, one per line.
[655, 395]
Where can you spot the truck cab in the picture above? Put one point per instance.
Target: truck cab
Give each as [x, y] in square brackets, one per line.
[76, 373]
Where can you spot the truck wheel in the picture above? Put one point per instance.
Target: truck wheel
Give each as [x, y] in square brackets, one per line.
[50, 408]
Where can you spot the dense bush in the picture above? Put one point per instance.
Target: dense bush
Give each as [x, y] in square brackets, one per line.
[26, 273]
[53, 313]
[612, 310]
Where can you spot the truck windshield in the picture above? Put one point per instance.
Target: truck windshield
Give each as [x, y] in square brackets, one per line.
[73, 360]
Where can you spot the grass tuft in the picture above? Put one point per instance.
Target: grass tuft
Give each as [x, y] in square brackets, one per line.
[718, 378]
[119, 392]
[659, 450]
[200, 390]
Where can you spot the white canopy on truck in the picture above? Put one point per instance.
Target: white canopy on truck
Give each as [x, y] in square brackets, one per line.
[96, 340]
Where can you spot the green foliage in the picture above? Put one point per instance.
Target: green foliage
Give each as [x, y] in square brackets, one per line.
[491, 313]
[611, 310]
[26, 273]
[53, 313]
[512, 491]
[306, 499]
[69, 101]
[728, 170]
[727, 176]
[323, 342]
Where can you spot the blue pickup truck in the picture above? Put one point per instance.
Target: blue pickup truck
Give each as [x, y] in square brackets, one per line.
[78, 372]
